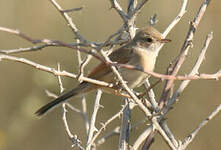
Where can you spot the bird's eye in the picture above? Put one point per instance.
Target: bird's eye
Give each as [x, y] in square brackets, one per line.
[149, 39]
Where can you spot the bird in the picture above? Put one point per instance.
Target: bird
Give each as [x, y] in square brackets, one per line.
[141, 51]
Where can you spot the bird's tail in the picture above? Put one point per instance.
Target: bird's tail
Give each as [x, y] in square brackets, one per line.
[74, 92]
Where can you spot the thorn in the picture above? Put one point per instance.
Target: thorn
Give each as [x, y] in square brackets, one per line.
[95, 129]
[101, 106]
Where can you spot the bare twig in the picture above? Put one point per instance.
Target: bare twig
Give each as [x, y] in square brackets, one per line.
[215, 76]
[71, 24]
[157, 126]
[174, 22]
[72, 9]
[169, 28]
[192, 135]
[26, 49]
[194, 71]
[82, 65]
[184, 50]
[49, 42]
[138, 7]
[177, 19]
[76, 142]
[117, 7]
[92, 128]
[142, 138]
[59, 79]
[131, 6]
[104, 125]
[52, 70]
[73, 138]
[149, 141]
[169, 133]
[125, 127]
[151, 95]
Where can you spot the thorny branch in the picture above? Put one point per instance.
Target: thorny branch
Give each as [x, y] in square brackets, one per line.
[182, 54]
[73, 138]
[194, 71]
[157, 120]
[184, 50]
[192, 135]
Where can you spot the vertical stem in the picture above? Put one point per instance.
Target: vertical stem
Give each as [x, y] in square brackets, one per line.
[125, 127]
[92, 128]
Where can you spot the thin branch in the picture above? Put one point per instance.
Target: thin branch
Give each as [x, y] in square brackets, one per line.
[184, 50]
[157, 126]
[71, 24]
[59, 79]
[142, 138]
[177, 19]
[72, 9]
[79, 76]
[26, 49]
[174, 22]
[104, 125]
[131, 6]
[20, 34]
[125, 127]
[117, 7]
[149, 141]
[214, 76]
[49, 42]
[92, 128]
[138, 7]
[166, 138]
[73, 138]
[151, 95]
[82, 66]
[157, 75]
[169, 133]
[192, 135]
[194, 71]
[52, 70]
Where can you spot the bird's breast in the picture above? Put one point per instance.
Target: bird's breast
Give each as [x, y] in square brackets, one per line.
[142, 59]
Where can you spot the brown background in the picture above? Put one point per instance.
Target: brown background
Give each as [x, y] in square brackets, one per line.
[22, 87]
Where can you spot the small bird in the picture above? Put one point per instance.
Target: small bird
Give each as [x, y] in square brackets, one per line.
[141, 52]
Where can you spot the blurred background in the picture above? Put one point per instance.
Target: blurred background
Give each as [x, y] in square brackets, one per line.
[22, 87]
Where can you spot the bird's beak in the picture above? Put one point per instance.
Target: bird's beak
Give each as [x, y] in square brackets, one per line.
[165, 40]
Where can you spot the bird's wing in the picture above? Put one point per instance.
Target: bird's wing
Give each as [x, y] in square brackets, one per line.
[121, 55]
